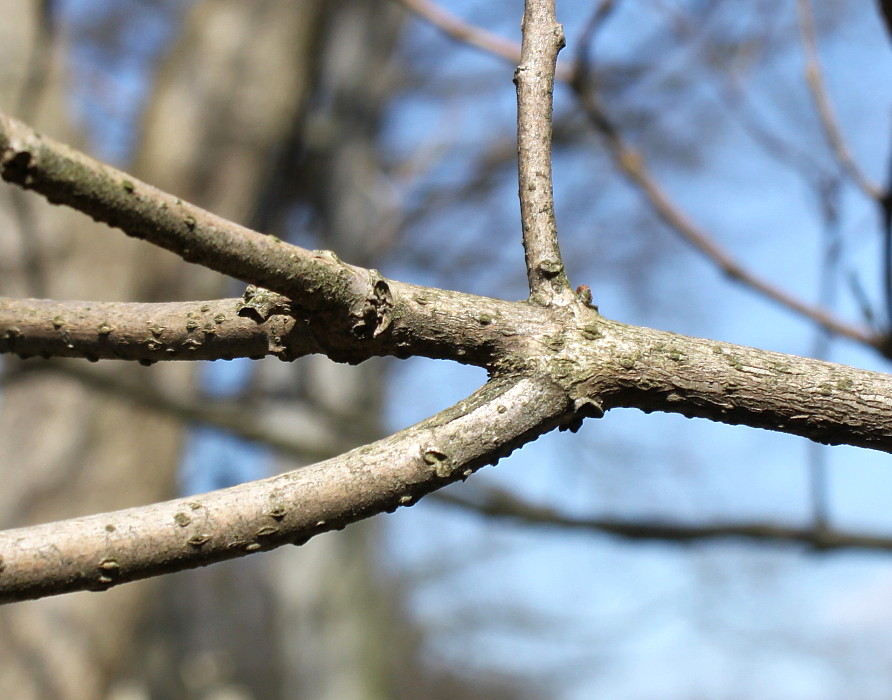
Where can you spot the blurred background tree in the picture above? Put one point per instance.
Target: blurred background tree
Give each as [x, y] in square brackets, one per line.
[358, 127]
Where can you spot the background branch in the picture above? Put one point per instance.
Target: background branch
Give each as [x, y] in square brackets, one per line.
[493, 502]
[632, 165]
[817, 88]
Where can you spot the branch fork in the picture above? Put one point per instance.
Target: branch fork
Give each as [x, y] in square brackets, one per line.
[553, 361]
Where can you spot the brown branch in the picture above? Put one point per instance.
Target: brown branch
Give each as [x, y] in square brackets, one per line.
[352, 313]
[632, 165]
[195, 330]
[427, 322]
[497, 503]
[463, 32]
[238, 418]
[97, 552]
[660, 371]
[543, 38]
[826, 115]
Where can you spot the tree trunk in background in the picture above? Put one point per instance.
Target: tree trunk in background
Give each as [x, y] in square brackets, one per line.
[227, 99]
[262, 112]
[284, 118]
[63, 451]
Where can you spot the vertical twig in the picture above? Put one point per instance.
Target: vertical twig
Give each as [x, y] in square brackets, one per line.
[828, 193]
[543, 38]
[630, 163]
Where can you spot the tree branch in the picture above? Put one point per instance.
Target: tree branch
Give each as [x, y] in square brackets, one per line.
[97, 552]
[497, 503]
[543, 38]
[658, 371]
[631, 164]
[552, 363]
[236, 417]
[352, 313]
[818, 90]
[195, 330]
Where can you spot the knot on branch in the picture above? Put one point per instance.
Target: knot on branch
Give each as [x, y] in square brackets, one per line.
[373, 314]
[261, 303]
[15, 167]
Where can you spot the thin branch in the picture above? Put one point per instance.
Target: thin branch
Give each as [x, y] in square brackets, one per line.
[828, 194]
[734, 100]
[97, 552]
[497, 503]
[238, 418]
[839, 147]
[543, 38]
[631, 164]
[195, 330]
[818, 89]
[463, 32]
[595, 22]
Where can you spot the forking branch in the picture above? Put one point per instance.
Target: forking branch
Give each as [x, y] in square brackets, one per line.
[551, 363]
[632, 165]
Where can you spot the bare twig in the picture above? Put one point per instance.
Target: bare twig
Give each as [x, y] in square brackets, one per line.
[462, 31]
[543, 38]
[631, 164]
[739, 108]
[235, 417]
[498, 503]
[818, 89]
[197, 330]
[97, 552]
[839, 147]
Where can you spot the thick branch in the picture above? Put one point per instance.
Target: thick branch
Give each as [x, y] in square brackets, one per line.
[97, 552]
[352, 313]
[543, 37]
[629, 366]
[417, 321]
[497, 503]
